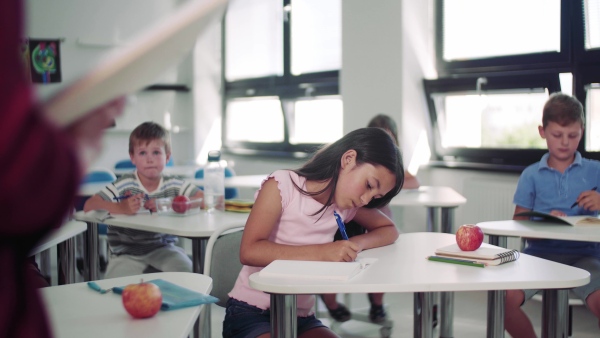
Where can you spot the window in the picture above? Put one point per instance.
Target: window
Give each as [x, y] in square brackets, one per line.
[494, 80]
[281, 70]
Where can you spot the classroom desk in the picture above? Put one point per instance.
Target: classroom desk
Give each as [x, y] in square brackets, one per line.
[242, 181]
[403, 267]
[64, 238]
[76, 311]
[197, 227]
[437, 200]
[498, 231]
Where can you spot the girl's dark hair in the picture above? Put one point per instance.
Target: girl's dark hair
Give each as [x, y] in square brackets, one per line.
[385, 122]
[372, 145]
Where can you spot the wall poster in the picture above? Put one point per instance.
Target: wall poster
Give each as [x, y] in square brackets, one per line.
[45, 60]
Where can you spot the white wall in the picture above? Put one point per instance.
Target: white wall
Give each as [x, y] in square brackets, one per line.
[387, 50]
[91, 29]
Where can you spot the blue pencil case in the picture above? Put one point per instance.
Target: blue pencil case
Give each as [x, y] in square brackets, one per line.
[176, 297]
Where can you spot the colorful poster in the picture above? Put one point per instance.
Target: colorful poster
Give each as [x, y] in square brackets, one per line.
[45, 61]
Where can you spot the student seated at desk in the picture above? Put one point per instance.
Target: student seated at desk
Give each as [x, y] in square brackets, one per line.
[293, 218]
[552, 185]
[133, 251]
[377, 314]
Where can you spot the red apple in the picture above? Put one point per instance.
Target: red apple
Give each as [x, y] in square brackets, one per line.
[469, 237]
[142, 300]
[180, 204]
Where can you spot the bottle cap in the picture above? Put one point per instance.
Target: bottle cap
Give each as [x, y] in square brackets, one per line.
[214, 156]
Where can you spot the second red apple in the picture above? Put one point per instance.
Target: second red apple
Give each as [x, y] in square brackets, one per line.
[180, 204]
[469, 237]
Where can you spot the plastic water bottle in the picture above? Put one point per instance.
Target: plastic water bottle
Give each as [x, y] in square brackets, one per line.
[214, 182]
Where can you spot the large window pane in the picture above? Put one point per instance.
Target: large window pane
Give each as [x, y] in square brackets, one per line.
[316, 36]
[253, 39]
[478, 29]
[500, 120]
[592, 125]
[329, 114]
[592, 23]
[255, 120]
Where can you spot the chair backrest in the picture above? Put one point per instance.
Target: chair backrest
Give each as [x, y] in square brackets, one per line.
[95, 175]
[222, 260]
[229, 192]
[125, 164]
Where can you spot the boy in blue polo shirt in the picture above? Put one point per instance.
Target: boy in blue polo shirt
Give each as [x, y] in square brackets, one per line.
[552, 185]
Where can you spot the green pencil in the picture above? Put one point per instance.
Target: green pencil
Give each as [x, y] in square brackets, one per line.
[455, 261]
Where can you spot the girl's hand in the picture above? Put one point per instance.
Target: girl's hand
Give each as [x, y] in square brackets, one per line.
[131, 205]
[557, 213]
[150, 204]
[589, 200]
[340, 251]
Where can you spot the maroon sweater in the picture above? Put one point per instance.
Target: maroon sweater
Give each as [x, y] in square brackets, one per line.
[38, 178]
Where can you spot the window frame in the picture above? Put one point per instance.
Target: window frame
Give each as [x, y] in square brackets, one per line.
[512, 72]
[287, 88]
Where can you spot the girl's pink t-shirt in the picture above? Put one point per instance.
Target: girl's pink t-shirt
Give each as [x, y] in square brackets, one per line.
[297, 226]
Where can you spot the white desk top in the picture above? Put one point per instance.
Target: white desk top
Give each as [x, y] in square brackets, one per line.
[403, 267]
[244, 181]
[429, 196]
[66, 231]
[201, 225]
[547, 230]
[77, 311]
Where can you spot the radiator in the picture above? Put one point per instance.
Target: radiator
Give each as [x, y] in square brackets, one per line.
[488, 200]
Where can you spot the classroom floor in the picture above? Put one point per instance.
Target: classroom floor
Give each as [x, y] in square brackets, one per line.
[469, 317]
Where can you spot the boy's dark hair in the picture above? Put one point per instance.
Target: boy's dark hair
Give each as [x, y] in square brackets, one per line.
[148, 132]
[562, 109]
[387, 123]
[372, 145]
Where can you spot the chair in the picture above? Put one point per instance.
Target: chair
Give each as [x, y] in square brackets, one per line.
[222, 264]
[229, 192]
[98, 175]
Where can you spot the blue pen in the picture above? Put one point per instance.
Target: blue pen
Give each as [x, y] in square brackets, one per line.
[341, 225]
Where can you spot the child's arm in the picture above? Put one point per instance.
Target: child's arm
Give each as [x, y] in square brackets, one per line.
[257, 250]
[519, 209]
[381, 230]
[128, 206]
[589, 200]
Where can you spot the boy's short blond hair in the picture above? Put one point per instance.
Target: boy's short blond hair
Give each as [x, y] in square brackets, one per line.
[148, 132]
[562, 109]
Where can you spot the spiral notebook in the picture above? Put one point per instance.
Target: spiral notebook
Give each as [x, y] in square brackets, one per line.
[487, 255]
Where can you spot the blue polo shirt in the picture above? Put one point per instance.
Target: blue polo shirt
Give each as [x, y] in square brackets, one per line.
[542, 188]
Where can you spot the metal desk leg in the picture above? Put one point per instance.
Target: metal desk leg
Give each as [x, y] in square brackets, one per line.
[447, 298]
[431, 219]
[66, 261]
[198, 251]
[500, 241]
[554, 314]
[423, 315]
[495, 314]
[283, 316]
[91, 252]
[45, 265]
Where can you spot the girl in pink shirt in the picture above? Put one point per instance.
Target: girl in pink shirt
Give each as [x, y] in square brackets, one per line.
[292, 218]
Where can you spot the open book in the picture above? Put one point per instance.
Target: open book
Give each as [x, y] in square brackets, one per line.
[583, 220]
[338, 271]
[485, 255]
[138, 63]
